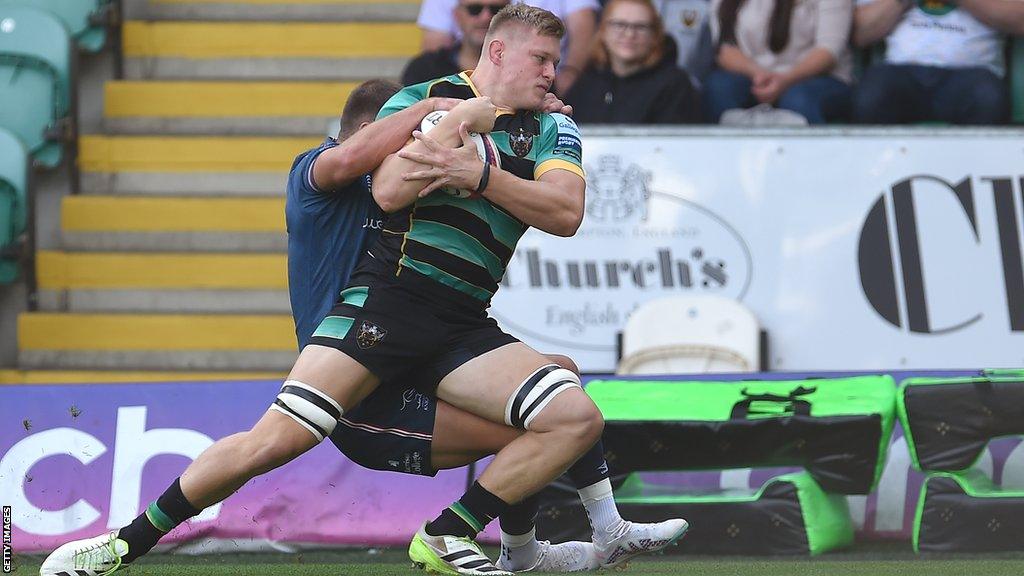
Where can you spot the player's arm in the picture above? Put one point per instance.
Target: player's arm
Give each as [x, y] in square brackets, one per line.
[390, 190]
[360, 153]
[553, 202]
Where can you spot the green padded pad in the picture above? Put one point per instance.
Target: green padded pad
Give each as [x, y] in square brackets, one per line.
[836, 429]
[966, 512]
[790, 514]
[949, 421]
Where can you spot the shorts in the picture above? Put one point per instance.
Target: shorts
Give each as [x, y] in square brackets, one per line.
[396, 326]
[391, 429]
[410, 332]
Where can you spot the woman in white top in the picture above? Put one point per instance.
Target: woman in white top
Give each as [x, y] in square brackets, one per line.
[792, 54]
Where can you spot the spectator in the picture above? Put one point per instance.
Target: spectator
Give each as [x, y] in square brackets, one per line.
[943, 61]
[788, 53]
[472, 18]
[580, 17]
[628, 80]
[686, 25]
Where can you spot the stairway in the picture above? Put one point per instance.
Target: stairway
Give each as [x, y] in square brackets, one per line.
[173, 256]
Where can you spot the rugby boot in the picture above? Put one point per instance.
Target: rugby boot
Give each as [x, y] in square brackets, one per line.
[634, 538]
[564, 557]
[95, 556]
[451, 555]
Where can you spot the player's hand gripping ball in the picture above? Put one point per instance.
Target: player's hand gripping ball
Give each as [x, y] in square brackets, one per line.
[486, 149]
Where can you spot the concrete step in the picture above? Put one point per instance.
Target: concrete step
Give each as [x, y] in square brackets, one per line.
[156, 341]
[140, 377]
[261, 50]
[180, 165]
[273, 10]
[165, 224]
[224, 108]
[162, 282]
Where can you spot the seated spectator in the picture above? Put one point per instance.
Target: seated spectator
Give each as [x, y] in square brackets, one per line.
[943, 61]
[472, 17]
[686, 26]
[788, 53]
[440, 30]
[628, 80]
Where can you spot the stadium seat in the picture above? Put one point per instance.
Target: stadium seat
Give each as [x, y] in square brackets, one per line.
[35, 80]
[81, 17]
[13, 183]
[690, 335]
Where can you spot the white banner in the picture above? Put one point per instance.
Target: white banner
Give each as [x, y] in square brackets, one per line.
[855, 250]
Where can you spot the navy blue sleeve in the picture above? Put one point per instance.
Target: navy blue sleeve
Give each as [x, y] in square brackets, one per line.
[302, 190]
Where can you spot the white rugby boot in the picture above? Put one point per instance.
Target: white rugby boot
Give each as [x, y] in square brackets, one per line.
[564, 557]
[95, 556]
[634, 538]
[451, 555]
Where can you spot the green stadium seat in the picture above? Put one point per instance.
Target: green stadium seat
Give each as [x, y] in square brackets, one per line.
[35, 79]
[13, 189]
[83, 18]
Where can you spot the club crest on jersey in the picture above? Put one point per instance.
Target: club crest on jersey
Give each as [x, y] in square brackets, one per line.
[370, 335]
[521, 141]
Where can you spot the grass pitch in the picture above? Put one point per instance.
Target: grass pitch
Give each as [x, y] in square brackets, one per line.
[869, 559]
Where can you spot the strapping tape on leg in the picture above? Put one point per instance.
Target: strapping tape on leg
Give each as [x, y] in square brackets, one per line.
[311, 408]
[536, 392]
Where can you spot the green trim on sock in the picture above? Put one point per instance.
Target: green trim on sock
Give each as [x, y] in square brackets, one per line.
[158, 519]
[466, 516]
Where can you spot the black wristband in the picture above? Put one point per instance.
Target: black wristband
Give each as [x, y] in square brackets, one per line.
[484, 177]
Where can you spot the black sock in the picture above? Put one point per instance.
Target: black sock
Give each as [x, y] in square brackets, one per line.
[590, 468]
[520, 518]
[160, 517]
[469, 515]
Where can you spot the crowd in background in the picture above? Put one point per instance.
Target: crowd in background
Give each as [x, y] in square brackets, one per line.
[758, 61]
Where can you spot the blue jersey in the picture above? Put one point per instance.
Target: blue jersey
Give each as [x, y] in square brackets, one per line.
[328, 232]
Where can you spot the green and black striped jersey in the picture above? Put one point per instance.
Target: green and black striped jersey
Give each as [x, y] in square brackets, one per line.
[466, 243]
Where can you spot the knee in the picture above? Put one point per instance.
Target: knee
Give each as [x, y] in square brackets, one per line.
[580, 419]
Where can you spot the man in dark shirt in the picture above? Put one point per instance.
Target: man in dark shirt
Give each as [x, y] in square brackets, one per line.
[473, 17]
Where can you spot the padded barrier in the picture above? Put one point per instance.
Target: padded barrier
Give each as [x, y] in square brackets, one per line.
[966, 512]
[836, 429]
[949, 421]
[790, 514]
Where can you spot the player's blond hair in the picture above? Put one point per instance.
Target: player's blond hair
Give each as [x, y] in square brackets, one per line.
[538, 19]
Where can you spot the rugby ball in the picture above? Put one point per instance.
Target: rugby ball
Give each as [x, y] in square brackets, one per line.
[486, 149]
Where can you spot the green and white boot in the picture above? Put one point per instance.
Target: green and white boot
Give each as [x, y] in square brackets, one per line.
[96, 556]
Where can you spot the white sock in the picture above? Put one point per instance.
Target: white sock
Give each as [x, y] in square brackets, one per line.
[519, 551]
[601, 509]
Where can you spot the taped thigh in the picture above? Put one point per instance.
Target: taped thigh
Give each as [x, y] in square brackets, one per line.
[309, 407]
[536, 392]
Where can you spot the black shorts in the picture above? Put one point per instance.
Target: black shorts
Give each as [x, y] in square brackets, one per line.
[410, 332]
[408, 324]
[391, 429]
